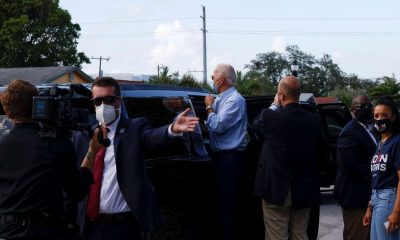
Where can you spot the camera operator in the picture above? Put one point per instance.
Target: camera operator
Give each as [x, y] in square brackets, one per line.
[34, 171]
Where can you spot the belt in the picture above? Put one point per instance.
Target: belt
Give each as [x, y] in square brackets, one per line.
[40, 219]
[115, 217]
[14, 219]
[383, 189]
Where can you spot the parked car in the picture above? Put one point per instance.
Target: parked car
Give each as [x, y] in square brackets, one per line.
[182, 175]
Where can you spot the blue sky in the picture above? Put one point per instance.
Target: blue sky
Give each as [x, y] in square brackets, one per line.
[363, 37]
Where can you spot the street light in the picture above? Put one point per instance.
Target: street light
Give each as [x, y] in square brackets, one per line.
[295, 68]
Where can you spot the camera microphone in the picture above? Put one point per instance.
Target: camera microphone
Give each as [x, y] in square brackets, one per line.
[103, 141]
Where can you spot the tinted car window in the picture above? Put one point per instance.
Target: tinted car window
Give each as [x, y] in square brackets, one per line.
[162, 111]
[335, 119]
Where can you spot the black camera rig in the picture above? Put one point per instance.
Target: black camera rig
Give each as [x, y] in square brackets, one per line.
[61, 110]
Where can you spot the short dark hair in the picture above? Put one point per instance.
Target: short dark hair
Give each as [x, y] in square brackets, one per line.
[108, 82]
[387, 101]
[17, 99]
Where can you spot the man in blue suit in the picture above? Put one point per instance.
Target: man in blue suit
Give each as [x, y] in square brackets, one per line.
[122, 202]
[355, 148]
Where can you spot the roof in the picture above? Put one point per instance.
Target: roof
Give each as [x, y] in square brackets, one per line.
[38, 75]
[326, 100]
[307, 97]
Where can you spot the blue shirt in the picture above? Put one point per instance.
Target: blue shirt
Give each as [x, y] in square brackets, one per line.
[385, 163]
[227, 125]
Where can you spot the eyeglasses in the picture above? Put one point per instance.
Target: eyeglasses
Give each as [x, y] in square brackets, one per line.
[106, 100]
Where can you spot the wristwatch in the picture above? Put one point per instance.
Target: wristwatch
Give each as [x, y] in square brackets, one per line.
[208, 107]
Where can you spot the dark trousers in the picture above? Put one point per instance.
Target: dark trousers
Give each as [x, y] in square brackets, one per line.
[121, 230]
[228, 168]
[353, 224]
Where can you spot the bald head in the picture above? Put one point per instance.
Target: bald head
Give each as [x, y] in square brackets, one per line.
[359, 100]
[361, 108]
[290, 86]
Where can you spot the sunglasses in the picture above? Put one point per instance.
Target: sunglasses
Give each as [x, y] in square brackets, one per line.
[106, 100]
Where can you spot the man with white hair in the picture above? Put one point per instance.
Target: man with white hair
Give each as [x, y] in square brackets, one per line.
[227, 124]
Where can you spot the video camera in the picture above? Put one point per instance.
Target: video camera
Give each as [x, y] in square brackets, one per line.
[61, 110]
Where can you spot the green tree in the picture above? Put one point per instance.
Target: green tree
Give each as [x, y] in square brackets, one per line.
[165, 78]
[271, 66]
[35, 33]
[318, 76]
[252, 83]
[352, 87]
[188, 80]
[388, 87]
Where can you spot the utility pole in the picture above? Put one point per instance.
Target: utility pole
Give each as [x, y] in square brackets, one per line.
[100, 59]
[158, 72]
[204, 29]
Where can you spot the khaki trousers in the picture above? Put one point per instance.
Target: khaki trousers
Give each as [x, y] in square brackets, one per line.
[353, 225]
[284, 222]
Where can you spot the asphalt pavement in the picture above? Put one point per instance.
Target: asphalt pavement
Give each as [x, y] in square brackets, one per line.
[330, 220]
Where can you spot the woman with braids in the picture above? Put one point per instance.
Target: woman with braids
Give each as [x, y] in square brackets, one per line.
[383, 212]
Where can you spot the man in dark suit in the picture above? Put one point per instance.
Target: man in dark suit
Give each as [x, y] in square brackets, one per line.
[124, 203]
[355, 147]
[287, 176]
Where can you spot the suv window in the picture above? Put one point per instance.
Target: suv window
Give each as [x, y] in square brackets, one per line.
[162, 111]
[335, 118]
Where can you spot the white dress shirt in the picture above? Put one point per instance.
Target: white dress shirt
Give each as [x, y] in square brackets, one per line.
[111, 199]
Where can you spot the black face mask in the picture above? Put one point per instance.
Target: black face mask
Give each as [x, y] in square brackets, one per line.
[364, 114]
[383, 125]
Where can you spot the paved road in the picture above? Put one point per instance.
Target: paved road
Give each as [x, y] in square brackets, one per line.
[330, 222]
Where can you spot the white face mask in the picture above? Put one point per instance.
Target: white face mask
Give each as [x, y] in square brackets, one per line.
[106, 114]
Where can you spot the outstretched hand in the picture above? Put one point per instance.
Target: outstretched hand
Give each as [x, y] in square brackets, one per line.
[184, 123]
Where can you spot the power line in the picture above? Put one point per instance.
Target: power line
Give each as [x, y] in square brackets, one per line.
[251, 19]
[245, 32]
[309, 18]
[138, 20]
[315, 33]
[143, 34]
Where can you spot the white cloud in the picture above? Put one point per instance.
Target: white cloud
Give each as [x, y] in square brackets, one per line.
[177, 47]
[278, 44]
[336, 55]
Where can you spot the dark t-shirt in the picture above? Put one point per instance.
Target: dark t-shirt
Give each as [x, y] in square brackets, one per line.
[34, 171]
[385, 163]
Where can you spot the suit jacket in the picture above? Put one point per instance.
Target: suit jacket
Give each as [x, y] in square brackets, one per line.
[355, 149]
[132, 138]
[288, 156]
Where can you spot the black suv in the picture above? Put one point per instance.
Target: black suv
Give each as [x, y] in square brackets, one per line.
[182, 175]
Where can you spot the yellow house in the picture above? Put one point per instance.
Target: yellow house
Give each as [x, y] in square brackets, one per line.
[45, 75]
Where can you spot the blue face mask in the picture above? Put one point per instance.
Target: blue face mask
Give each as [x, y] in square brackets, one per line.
[215, 88]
